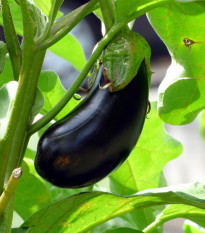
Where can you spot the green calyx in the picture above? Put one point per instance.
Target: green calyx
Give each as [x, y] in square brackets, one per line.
[122, 58]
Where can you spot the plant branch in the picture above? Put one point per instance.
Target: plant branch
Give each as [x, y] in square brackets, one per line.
[10, 189]
[66, 24]
[11, 39]
[59, 106]
[15, 135]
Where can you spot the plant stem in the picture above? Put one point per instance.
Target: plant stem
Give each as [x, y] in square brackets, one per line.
[10, 189]
[66, 24]
[58, 107]
[11, 39]
[6, 217]
[13, 143]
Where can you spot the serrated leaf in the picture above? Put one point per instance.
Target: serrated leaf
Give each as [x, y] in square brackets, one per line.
[191, 227]
[7, 74]
[31, 193]
[179, 211]
[181, 27]
[53, 91]
[71, 50]
[143, 168]
[82, 212]
[7, 94]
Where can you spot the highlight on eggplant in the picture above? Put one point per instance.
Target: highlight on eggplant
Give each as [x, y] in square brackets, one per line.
[96, 137]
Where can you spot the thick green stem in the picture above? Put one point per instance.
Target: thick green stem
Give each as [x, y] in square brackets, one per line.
[14, 140]
[11, 39]
[10, 189]
[6, 218]
[54, 111]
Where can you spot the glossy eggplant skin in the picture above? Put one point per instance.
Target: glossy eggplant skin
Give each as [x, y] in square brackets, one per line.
[96, 137]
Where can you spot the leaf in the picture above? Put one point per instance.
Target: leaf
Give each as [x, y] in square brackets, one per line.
[143, 168]
[179, 211]
[16, 15]
[126, 8]
[70, 49]
[7, 94]
[82, 212]
[3, 51]
[53, 91]
[7, 74]
[123, 230]
[202, 123]
[39, 103]
[191, 227]
[31, 193]
[19, 230]
[46, 6]
[181, 27]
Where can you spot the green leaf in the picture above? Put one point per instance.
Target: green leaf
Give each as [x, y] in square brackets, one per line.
[191, 227]
[143, 168]
[31, 193]
[53, 91]
[82, 212]
[123, 230]
[181, 27]
[46, 6]
[178, 211]
[19, 230]
[7, 94]
[202, 123]
[126, 8]
[71, 50]
[16, 15]
[3, 51]
[7, 75]
[39, 103]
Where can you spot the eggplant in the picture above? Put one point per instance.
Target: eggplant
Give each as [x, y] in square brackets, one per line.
[96, 137]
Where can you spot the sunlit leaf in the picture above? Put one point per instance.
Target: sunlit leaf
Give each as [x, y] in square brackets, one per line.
[179, 211]
[7, 74]
[191, 227]
[3, 51]
[144, 167]
[31, 194]
[70, 49]
[53, 91]
[82, 212]
[7, 94]
[182, 93]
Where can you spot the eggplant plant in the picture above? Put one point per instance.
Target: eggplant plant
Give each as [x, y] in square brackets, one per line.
[96, 164]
